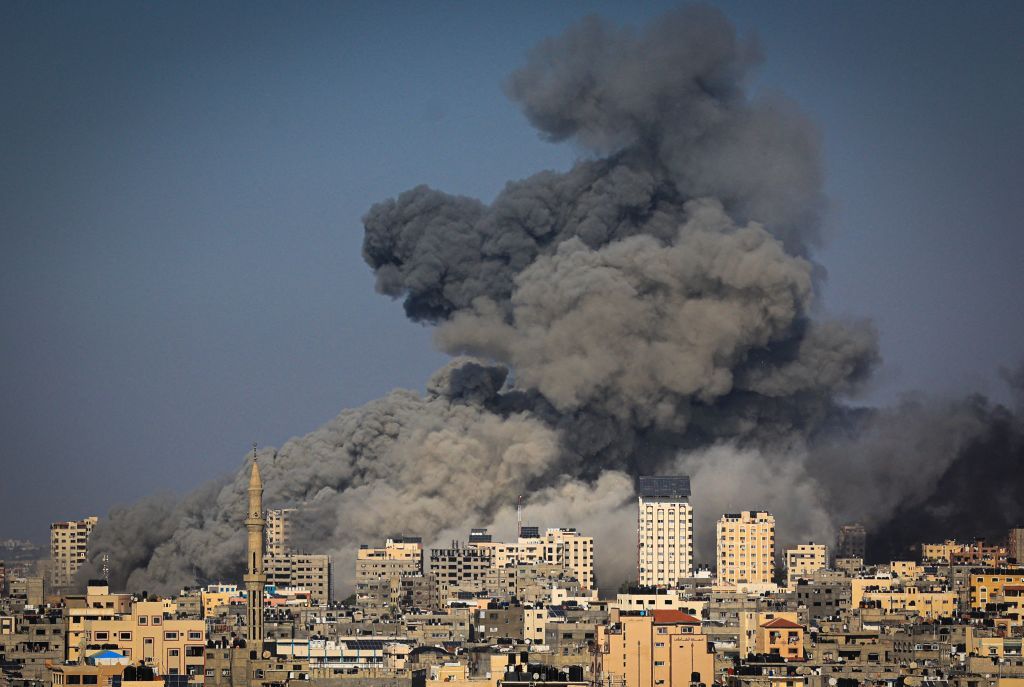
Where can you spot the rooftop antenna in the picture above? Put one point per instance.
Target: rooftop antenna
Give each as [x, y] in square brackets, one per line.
[519, 517]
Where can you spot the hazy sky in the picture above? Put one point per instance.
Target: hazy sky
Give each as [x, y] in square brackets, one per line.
[181, 186]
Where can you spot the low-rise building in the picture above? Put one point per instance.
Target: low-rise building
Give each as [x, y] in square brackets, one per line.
[803, 560]
[781, 637]
[641, 649]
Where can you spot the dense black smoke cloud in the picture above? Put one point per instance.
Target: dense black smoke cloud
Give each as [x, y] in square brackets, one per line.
[651, 309]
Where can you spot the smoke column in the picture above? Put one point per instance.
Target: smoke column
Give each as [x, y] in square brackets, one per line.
[652, 309]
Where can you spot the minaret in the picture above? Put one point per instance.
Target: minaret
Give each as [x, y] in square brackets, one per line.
[255, 579]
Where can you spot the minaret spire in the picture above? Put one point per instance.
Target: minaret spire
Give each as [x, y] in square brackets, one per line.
[255, 579]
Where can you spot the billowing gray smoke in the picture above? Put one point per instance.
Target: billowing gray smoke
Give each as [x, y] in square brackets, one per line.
[650, 309]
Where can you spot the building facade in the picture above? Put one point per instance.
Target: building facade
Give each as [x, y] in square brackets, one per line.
[804, 560]
[664, 530]
[311, 572]
[69, 547]
[851, 541]
[746, 548]
[659, 647]
[1015, 545]
[278, 530]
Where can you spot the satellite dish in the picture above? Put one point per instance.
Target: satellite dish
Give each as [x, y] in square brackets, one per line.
[536, 676]
[833, 681]
[266, 654]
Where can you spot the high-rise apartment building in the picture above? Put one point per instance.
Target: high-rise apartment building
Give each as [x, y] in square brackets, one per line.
[69, 546]
[851, 542]
[278, 530]
[664, 530]
[746, 547]
[804, 560]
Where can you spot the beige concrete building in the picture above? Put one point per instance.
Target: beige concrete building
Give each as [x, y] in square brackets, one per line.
[32, 589]
[859, 586]
[804, 560]
[661, 647]
[906, 570]
[781, 637]
[940, 553]
[278, 530]
[458, 569]
[988, 585]
[929, 604]
[143, 631]
[402, 555]
[95, 605]
[311, 572]
[750, 624]
[563, 547]
[69, 546]
[380, 572]
[101, 675]
[664, 530]
[216, 595]
[746, 548]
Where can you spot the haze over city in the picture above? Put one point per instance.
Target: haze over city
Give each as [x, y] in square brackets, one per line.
[183, 189]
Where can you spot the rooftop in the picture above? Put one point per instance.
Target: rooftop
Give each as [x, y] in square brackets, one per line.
[669, 486]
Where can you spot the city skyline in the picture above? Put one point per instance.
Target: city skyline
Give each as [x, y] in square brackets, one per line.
[532, 344]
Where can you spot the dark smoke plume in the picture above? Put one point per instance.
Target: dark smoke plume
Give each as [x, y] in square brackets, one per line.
[650, 309]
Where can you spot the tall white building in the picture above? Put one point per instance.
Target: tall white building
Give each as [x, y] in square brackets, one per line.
[746, 547]
[664, 530]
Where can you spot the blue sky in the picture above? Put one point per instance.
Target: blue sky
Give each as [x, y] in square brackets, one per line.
[181, 186]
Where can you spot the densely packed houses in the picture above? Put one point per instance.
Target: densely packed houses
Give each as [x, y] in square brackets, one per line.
[529, 613]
